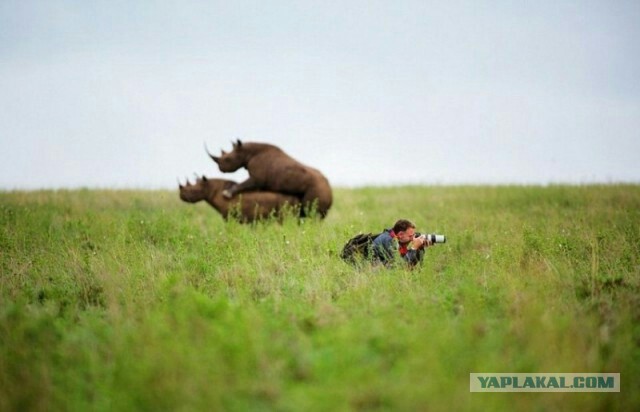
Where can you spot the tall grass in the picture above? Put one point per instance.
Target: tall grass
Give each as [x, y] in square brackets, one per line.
[133, 300]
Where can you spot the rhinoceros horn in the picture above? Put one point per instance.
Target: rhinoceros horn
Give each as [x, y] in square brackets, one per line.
[214, 158]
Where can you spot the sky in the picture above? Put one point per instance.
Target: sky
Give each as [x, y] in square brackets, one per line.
[122, 94]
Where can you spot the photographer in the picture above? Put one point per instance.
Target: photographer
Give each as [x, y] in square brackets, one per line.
[399, 244]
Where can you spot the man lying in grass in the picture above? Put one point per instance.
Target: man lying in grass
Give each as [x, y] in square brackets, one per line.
[399, 244]
[393, 246]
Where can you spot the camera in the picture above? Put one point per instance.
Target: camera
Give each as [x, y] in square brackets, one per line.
[433, 238]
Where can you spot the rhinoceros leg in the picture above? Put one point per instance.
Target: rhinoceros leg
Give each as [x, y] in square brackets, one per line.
[320, 198]
[246, 186]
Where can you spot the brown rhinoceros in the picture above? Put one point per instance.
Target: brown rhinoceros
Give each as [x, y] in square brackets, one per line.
[246, 207]
[272, 169]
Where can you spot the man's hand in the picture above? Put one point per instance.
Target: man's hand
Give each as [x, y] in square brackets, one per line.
[420, 242]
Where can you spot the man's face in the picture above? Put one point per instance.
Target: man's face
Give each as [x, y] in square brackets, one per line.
[406, 236]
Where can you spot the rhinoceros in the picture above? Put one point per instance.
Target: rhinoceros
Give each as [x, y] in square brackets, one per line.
[246, 207]
[272, 169]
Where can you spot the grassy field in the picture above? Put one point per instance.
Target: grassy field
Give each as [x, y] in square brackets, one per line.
[133, 300]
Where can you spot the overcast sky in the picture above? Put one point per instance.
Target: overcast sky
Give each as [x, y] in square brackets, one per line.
[119, 94]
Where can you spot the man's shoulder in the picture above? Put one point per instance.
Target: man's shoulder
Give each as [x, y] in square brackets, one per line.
[385, 236]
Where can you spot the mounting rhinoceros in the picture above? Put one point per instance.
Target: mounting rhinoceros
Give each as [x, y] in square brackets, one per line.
[272, 169]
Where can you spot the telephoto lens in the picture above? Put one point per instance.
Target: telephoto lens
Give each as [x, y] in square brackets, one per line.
[437, 238]
[433, 238]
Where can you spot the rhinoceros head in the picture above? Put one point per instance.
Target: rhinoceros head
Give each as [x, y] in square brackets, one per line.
[232, 161]
[194, 192]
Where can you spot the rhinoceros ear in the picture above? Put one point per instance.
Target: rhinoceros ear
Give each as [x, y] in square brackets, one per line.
[239, 143]
[204, 178]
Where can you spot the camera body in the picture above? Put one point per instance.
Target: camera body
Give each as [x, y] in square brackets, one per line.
[433, 238]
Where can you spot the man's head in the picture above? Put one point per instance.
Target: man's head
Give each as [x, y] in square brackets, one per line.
[404, 230]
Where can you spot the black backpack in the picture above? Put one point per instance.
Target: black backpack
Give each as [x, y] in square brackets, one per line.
[358, 247]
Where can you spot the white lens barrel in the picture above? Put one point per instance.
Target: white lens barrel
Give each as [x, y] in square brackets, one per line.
[437, 238]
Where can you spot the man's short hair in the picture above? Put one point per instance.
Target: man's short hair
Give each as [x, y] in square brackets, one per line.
[402, 225]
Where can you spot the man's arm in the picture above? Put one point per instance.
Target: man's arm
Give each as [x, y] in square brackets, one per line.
[413, 257]
[416, 252]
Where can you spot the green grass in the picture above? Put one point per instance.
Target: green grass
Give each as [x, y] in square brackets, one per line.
[133, 300]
